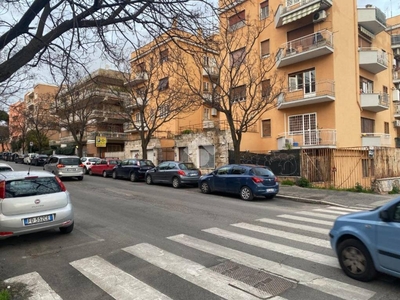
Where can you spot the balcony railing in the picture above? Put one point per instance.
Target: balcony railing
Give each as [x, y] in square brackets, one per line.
[129, 127]
[307, 138]
[317, 92]
[375, 102]
[395, 39]
[138, 78]
[304, 48]
[67, 139]
[396, 76]
[133, 102]
[373, 60]
[396, 110]
[108, 134]
[372, 18]
[375, 140]
[210, 71]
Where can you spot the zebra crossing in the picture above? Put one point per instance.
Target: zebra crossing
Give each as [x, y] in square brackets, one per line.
[242, 275]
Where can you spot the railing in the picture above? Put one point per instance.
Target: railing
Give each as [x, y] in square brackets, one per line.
[380, 16]
[108, 135]
[382, 56]
[395, 39]
[220, 125]
[321, 88]
[316, 137]
[67, 139]
[383, 98]
[376, 139]
[211, 71]
[396, 75]
[397, 109]
[308, 42]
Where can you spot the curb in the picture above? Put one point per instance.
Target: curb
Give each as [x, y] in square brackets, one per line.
[307, 200]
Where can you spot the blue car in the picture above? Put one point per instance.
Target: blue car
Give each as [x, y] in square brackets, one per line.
[369, 242]
[248, 181]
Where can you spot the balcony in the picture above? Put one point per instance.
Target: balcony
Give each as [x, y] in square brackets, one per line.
[67, 139]
[139, 77]
[396, 77]
[307, 138]
[129, 127]
[308, 47]
[374, 102]
[208, 124]
[110, 135]
[210, 72]
[396, 110]
[375, 140]
[395, 39]
[293, 10]
[372, 18]
[133, 103]
[373, 60]
[318, 92]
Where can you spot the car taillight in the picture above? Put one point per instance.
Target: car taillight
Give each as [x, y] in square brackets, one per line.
[276, 179]
[60, 166]
[257, 179]
[2, 189]
[62, 186]
[6, 233]
[182, 173]
[81, 165]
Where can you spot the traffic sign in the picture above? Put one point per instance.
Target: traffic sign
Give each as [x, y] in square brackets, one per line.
[31, 144]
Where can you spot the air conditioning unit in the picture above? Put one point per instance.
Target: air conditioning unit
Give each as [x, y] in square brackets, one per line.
[289, 141]
[396, 95]
[396, 51]
[319, 16]
[396, 123]
[214, 112]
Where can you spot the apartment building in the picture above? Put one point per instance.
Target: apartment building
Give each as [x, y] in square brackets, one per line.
[16, 121]
[93, 107]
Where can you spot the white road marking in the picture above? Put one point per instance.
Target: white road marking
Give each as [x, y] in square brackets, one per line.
[296, 226]
[37, 285]
[279, 248]
[308, 220]
[117, 283]
[334, 212]
[285, 235]
[329, 286]
[195, 273]
[344, 209]
[311, 214]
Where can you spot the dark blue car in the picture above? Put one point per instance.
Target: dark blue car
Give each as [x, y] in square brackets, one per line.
[248, 181]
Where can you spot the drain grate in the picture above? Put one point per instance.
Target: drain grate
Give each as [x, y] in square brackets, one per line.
[267, 283]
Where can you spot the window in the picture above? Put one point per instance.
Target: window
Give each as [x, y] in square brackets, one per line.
[163, 56]
[183, 154]
[385, 90]
[292, 2]
[366, 85]
[365, 167]
[207, 157]
[238, 57]
[305, 125]
[264, 48]
[265, 88]
[137, 118]
[164, 111]
[141, 67]
[206, 86]
[367, 125]
[238, 94]
[386, 127]
[237, 21]
[264, 9]
[224, 170]
[206, 114]
[303, 81]
[238, 170]
[266, 128]
[163, 84]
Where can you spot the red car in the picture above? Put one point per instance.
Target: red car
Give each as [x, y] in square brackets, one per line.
[103, 167]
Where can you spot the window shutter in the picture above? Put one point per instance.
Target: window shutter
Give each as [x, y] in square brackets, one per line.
[265, 48]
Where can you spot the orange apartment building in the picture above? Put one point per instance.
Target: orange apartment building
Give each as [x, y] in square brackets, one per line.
[16, 120]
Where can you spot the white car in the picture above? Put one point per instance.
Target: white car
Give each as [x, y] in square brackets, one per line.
[5, 167]
[28, 158]
[32, 202]
[88, 162]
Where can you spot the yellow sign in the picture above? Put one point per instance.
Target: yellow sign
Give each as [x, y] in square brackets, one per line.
[101, 141]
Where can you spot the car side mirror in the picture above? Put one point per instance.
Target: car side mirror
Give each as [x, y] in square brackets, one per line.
[384, 215]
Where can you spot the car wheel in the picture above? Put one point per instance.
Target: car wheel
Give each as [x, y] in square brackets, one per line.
[86, 170]
[355, 260]
[114, 175]
[246, 193]
[133, 177]
[90, 172]
[80, 178]
[104, 174]
[270, 196]
[149, 180]
[67, 229]
[205, 188]
[176, 182]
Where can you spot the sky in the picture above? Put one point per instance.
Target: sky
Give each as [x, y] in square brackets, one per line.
[391, 8]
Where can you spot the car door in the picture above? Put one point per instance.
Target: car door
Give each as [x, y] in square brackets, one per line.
[220, 177]
[234, 178]
[51, 165]
[119, 169]
[388, 240]
[158, 174]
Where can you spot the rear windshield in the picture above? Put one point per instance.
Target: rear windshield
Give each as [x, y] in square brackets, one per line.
[70, 161]
[262, 172]
[187, 166]
[113, 162]
[32, 186]
[2, 169]
[146, 163]
[42, 156]
[94, 159]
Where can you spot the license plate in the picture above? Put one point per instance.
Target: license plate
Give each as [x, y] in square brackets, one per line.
[192, 174]
[71, 170]
[37, 220]
[270, 190]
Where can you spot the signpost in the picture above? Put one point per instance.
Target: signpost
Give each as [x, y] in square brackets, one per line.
[30, 144]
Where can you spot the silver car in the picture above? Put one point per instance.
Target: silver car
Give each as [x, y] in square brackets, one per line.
[65, 166]
[32, 202]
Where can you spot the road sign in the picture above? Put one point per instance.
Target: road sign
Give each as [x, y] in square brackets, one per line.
[101, 141]
[31, 144]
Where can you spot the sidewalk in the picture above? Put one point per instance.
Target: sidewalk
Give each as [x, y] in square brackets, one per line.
[332, 197]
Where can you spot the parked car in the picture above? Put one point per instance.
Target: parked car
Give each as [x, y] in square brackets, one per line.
[88, 162]
[104, 167]
[13, 156]
[174, 172]
[65, 166]
[133, 169]
[33, 202]
[368, 242]
[247, 181]
[5, 167]
[5, 155]
[39, 159]
[19, 159]
[28, 158]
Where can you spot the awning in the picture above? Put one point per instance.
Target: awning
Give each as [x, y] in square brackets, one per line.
[301, 13]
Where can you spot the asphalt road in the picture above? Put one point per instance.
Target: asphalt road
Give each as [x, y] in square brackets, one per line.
[155, 242]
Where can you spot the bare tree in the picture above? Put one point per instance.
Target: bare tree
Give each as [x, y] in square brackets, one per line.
[241, 84]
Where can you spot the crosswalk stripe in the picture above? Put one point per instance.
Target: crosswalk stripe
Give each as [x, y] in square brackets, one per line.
[350, 210]
[216, 283]
[117, 283]
[312, 214]
[287, 250]
[330, 211]
[296, 226]
[308, 220]
[37, 285]
[285, 234]
[329, 286]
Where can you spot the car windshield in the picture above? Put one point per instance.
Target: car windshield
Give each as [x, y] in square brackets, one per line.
[187, 166]
[32, 186]
[5, 169]
[262, 172]
[42, 156]
[70, 161]
[146, 163]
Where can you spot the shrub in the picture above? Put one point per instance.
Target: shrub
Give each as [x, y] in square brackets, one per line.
[303, 182]
[395, 190]
[187, 131]
[358, 188]
[287, 182]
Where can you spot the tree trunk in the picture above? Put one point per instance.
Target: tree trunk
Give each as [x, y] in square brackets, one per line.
[236, 151]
